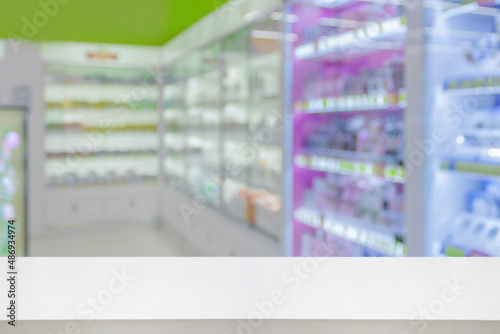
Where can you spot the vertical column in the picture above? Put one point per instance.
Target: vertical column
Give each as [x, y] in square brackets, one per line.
[160, 74]
[414, 129]
[286, 92]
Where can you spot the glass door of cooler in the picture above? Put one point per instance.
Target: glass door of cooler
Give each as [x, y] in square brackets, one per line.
[194, 137]
[253, 126]
[202, 134]
[266, 125]
[462, 141]
[235, 121]
[348, 102]
[12, 180]
[174, 116]
[211, 119]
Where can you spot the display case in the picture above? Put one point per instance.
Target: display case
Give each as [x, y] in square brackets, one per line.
[174, 141]
[266, 123]
[348, 102]
[203, 123]
[192, 117]
[13, 180]
[462, 128]
[100, 126]
[229, 148]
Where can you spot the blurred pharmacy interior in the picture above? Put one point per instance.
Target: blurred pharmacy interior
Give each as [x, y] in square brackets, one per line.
[255, 128]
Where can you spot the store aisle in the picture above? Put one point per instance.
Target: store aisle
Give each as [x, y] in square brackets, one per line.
[129, 240]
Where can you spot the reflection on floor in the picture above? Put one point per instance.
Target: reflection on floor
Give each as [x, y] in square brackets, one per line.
[129, 240]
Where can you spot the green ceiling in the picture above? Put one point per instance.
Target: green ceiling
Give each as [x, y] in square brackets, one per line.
[144, 22]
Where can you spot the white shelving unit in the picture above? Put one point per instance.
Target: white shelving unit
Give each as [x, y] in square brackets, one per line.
[101, 137]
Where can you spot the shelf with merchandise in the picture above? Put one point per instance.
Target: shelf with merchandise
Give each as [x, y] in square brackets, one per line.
[373, 37]
[372, 201]
[271, 185]
[471, 168]
[96, 97]
[267, 127]
[174, 105]
[200, 94]
[100, 126]
[89, 171]
[380, 240]
[116, 115]
[238, 153]
[363, 102]
[106, 84]
[98, 73]
[174, 139]
[266, 211]
[234, 123]
[78, 128]
[387, 172]
[266, 170]
[173, 94]
[236, 199]
[241, 60]
[92, 180]
[108, 161]
[72, 155]
[200, 183]
[234, 133]
[265, 78]
[94, 120]
[471, 235]
[465, 86]
[393, 159]
[174, 165]
[70, 104]
[101, 86]
[448, 9]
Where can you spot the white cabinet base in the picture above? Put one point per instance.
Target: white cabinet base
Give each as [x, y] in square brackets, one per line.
[77, 208]
[207, 232]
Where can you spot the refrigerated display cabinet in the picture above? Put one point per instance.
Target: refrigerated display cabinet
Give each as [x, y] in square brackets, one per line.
[174, 109]
[395, 126]
[348, 99]
[13, 183]
[462, 128]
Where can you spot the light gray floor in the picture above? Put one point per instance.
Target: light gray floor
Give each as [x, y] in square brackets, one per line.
[127, 240]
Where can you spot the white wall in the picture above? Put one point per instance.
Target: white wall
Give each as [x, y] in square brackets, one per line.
[22, 66]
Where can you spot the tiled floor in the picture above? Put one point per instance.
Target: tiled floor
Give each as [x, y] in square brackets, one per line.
[128, 240]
